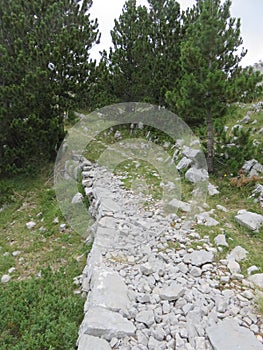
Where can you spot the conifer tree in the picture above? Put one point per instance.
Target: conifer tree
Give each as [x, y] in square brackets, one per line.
[44, 64]
[210, 67]
[144, 60]
[165, 36]
[129, 58]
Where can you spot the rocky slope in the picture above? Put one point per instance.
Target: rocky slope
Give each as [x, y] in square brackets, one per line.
[153, 283]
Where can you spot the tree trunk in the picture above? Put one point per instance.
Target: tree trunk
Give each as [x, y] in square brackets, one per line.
[210, 143]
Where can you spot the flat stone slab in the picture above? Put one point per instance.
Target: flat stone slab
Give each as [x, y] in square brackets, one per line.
[108, 222]
[101, 192]
[106, 237]
[205, 219]
[199, 257]
[250, 220]
[88, 342]
[109, 205]
[172, 292]
[94, 259]
[257, 279]
[237, 254]
[101, 322]
[180, 205]
[228, 335]
[108, 290]
[146, 317]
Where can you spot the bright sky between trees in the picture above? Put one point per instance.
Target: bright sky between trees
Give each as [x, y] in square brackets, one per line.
[250, 12]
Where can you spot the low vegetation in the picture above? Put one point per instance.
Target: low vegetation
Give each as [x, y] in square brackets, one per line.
[40, 307]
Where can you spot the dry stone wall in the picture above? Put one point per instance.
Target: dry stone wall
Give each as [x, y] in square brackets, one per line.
[148, 288]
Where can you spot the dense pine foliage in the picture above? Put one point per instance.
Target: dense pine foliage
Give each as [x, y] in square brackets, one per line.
[44, 63]
[187, 61]
[211, 76]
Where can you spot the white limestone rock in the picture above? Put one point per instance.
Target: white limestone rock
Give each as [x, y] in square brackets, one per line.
[106, 284]
[252, 167]
[228, 335]
[146, 317]
[195, 271]
[257, 279]
[147, 269]
[77, 198]
[5, 278]
[199, 257]
[205, 219]
[92, 343]
[62, 227]
[220, 240]
[233, 266]
[212, 189]
[31, 224]
[186, 207]
[153, 344]
[107, 324]
[184, 163]
[191, 152]
[172, 292]
[258, 194]
[238, 254]
[245, 120]
[251, 269]
[16, 253]
[221, 207]
[108, 205]
[250, 220]
[195, 175]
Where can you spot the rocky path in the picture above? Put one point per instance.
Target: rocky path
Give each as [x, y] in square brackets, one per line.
[153, 283]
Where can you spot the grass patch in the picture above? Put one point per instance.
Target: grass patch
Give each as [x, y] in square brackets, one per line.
[260, 304]
[39, 307]
[233, 199]
[141, 177]
[40, 313]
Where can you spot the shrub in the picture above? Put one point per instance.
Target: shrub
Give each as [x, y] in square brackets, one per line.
[43, 312]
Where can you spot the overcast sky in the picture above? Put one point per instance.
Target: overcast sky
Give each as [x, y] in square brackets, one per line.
[250, 12]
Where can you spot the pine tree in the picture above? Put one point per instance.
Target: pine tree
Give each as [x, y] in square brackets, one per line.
[44, 64]
[165, 38]
[211, 74]
[144, 60]
[128, 60]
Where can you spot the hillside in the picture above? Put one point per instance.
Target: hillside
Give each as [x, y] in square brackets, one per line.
[41, 257]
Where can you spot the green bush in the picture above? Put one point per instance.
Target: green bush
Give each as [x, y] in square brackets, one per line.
[233, 148]
[42, 314]
[5, 193]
